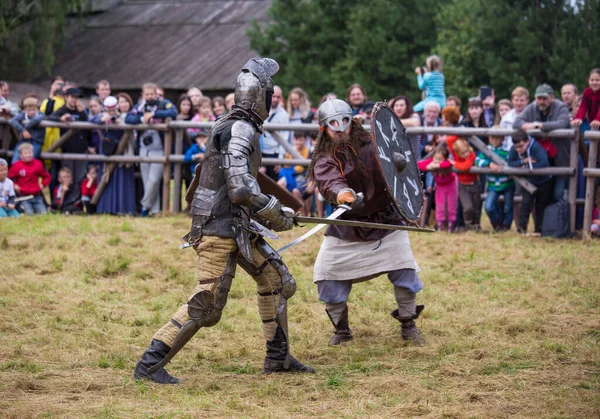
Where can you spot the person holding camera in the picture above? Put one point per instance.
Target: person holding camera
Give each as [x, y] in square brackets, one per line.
[81, 141]
[150, 111]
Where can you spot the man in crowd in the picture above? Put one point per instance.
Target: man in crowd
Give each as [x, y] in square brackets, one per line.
[547, 114]
[488, 100]
[344, 164]
[270, 146]
[569, 94]
[103, 90]
[223, 194]
[519, 98]
[150, 111]
[431, 118]
[81, 141]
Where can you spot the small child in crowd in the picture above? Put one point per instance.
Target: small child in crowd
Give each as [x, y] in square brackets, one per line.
[590, 102]
[95, 107]
[27, 124]
[203, 114]
[469, 187]
[500, 217]
[88, 188]
[528, 153]
[446, 191]
[293, 178]
[7, 193]
[595, 227]
[196, 152]
[67, 195]
[432, 82]
[26, 173]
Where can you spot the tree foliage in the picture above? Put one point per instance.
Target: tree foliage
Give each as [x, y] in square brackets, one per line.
[328, 45]
[30, 30]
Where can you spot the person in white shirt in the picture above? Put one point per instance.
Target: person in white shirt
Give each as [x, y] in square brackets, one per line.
[520, 99]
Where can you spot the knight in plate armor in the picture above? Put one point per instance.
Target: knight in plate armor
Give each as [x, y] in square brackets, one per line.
[226, 201]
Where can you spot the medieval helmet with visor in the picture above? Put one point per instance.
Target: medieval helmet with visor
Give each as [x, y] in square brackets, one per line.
[335, 114]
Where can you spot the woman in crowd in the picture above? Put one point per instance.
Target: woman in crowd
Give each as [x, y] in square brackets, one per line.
[118, 197]
[404, 111]
[218, 106]
[298, 107]
[504, 106]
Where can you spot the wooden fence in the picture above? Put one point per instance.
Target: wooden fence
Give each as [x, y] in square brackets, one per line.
[177, 130]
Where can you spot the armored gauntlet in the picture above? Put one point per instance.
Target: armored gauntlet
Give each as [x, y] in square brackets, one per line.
[272, 213]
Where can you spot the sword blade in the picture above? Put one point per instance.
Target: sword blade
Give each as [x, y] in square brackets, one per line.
[335, 214]
[364, 224]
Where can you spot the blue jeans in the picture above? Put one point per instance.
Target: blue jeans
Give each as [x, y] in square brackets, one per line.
[34, 205]
[560, 184]
[500, 216]
[37, 150]
[5, 212]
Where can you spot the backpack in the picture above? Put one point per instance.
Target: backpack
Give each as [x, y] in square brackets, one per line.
[556, 220]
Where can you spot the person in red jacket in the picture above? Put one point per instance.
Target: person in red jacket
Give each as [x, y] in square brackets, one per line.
[469, 187]
[590, 102]
[30, 178]
[446, 192]
[88, 188]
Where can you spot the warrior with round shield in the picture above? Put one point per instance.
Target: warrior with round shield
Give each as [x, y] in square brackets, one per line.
[226, 202]
[346, 168]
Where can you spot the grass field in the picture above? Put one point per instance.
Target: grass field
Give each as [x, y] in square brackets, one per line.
[512, 327]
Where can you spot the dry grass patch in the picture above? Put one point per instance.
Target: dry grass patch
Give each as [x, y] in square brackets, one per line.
[512, 327]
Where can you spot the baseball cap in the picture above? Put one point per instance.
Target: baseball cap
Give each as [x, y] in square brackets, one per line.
[203, 132]
[544, 90]
[73, 91]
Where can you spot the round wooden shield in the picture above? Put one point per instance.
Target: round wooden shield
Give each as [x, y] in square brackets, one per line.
[397, 162]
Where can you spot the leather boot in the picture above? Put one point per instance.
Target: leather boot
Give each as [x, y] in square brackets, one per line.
[410, 332]
[342, 331]
[278, 358]
[153, 355]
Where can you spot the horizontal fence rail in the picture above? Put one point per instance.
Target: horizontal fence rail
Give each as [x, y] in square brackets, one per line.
[177, 130]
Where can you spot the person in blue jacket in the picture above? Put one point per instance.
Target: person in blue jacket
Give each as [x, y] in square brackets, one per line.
[150, 111]
[195, 153]
[27, 124]
[528, 153]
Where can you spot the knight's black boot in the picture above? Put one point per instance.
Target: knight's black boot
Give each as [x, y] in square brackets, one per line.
[278, 358]
[410, 332]
[342, 332]
[153, 355]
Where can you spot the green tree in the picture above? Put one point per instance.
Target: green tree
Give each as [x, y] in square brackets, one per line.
[325, 45]
[30, 30]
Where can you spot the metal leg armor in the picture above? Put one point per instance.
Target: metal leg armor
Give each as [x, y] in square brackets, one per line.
[275, 285]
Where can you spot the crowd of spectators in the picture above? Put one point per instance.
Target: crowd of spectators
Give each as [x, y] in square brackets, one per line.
[77, 186]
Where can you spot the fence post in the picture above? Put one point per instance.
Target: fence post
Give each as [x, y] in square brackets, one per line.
[589, 190]
[574, 158]
[177, 173]
[167, 169]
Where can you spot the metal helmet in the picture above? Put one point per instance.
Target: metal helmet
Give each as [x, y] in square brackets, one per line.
[254, 87]
[335, 110]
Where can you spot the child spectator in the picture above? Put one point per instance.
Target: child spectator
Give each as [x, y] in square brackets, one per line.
[431, 80]
[293, 178]
[590, 102]
[95, 107]
[203, 114]
[26, 174]
[7, 193]
[446, 191]
[218, 106]
[184, 108]
[196, 152]
[500, 217]
[230, 101]
[27, 124]
[528, 153]
[504, 107]
[67, 195]
[88, 188]
[469, 187]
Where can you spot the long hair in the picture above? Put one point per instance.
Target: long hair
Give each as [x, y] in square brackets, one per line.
[409, 107]
[304, 103]
[325, 146]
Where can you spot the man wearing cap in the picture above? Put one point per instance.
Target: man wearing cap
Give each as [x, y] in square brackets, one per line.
[547, 114]
[343, 164]
[81, 141]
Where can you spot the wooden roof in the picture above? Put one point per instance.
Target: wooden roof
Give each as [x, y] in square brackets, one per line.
[176, 44]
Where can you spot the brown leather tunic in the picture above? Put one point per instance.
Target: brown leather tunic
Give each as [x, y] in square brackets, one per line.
[335, 172]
